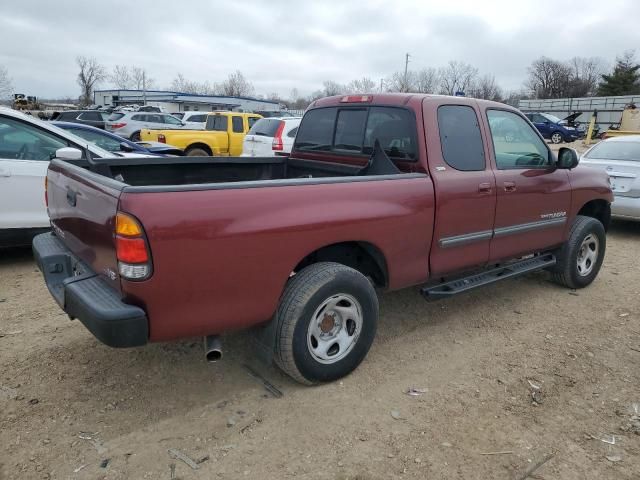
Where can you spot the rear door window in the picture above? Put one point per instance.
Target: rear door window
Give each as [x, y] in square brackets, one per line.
[460, 138]
[395, 129]
[236, 124]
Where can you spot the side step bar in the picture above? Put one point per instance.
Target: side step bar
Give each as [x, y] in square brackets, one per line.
[464, 284]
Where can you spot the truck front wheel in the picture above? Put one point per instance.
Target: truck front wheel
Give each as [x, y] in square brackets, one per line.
[326, 323]
[580, 258]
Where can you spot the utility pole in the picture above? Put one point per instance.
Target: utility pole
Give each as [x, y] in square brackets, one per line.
[381, 85]
[406, 68]
[144, 87]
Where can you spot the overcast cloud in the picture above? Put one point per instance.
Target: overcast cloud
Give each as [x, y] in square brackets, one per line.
[280, 45]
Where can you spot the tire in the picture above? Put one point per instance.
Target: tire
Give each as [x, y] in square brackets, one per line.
[325, 300]
[579, 260]
[556, 137]
[197, 152]
[135, 137]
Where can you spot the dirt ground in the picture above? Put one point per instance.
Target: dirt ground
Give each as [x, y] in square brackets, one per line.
[73, 408]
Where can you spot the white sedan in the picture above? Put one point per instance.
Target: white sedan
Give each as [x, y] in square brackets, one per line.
[620, 158]
[26, 147]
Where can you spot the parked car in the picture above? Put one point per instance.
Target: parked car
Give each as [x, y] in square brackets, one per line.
[270, 136]
[93, 118]
[274, 113]
[129, 124]
[26, 147]
[380, 191]
[114, 143]
[620, 158]
[553, 128]
[222, 136]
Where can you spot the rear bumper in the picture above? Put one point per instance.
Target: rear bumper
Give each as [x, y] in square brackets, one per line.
[625, 208]
[84, 295]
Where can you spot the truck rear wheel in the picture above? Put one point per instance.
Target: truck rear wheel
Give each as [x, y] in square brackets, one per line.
[326, 323]
[580, 258]
[196, 152]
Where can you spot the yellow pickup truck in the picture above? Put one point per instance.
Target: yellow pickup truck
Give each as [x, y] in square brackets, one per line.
[223, 135]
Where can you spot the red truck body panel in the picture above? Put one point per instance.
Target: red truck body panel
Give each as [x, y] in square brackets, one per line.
[222, 263]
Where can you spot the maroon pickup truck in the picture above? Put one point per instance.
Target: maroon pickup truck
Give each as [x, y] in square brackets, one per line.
[380, 192]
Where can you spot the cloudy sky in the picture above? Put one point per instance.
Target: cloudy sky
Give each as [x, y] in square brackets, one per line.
[280, 45]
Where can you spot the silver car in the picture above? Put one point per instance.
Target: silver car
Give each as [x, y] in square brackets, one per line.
[620, 158]
[129, 124]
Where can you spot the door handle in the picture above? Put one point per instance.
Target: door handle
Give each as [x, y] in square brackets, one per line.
[509, 186]
[5, 173]
[484, 188]
[72, 197]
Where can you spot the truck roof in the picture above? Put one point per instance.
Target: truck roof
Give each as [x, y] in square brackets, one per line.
[394, 99]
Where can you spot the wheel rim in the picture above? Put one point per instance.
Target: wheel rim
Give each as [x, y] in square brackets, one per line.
[588, 254]
[556, 138]
[334, 328]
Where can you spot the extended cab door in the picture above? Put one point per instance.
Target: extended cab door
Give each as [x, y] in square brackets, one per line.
[219, 143]
[464, 185]
[533, 196]
[236, 135]
[25, 151]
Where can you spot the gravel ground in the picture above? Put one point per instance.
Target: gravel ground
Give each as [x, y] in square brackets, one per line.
[73, 408]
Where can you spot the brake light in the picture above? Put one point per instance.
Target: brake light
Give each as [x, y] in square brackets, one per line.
[132, 250]
[46, 195]
[277, 138]
[114, 126]
[162, 138]
[356, 99]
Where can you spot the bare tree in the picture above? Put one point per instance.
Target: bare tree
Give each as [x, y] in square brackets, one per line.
[181, 84]
[456, 77]
[549, 78]
[6, 86]
[363, 85]
[585, 76]
[91, 74]
[140, 79]
[121, 77]
[486, 88]
[236, 85]
[330, 88]
[426, 81]
[399, 82]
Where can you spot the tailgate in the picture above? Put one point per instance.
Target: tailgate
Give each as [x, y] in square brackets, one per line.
[82, 208]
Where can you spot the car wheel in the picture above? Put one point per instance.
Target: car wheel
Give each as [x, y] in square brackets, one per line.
[135, 137]
[579, 260]
[196, 152]
[326, 323]
[556, 137]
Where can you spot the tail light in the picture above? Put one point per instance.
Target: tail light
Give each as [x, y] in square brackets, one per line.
[115, 126]
[356, 99]
[162, 138]
[132, 249]
[277, 138]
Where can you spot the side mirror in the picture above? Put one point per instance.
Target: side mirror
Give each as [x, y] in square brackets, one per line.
[125, 148]
[567, 158]
[68, 153]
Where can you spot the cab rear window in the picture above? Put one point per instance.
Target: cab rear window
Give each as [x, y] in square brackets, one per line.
[354, 130]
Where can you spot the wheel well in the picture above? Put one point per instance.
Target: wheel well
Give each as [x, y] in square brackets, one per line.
[598, 209]
[202, 146]
[361, 256]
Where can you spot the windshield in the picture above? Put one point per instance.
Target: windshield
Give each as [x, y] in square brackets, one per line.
[629, 151]
[551, 118]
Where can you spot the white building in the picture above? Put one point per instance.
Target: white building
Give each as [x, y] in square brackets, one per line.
[181, 102]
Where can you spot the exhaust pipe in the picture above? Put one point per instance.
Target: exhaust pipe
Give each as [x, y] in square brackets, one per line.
[213, 348]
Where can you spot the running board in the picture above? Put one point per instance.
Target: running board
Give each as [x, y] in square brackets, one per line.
[464, 284]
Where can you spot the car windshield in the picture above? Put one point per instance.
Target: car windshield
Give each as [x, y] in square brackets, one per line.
[551, 118]
[618, 150]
